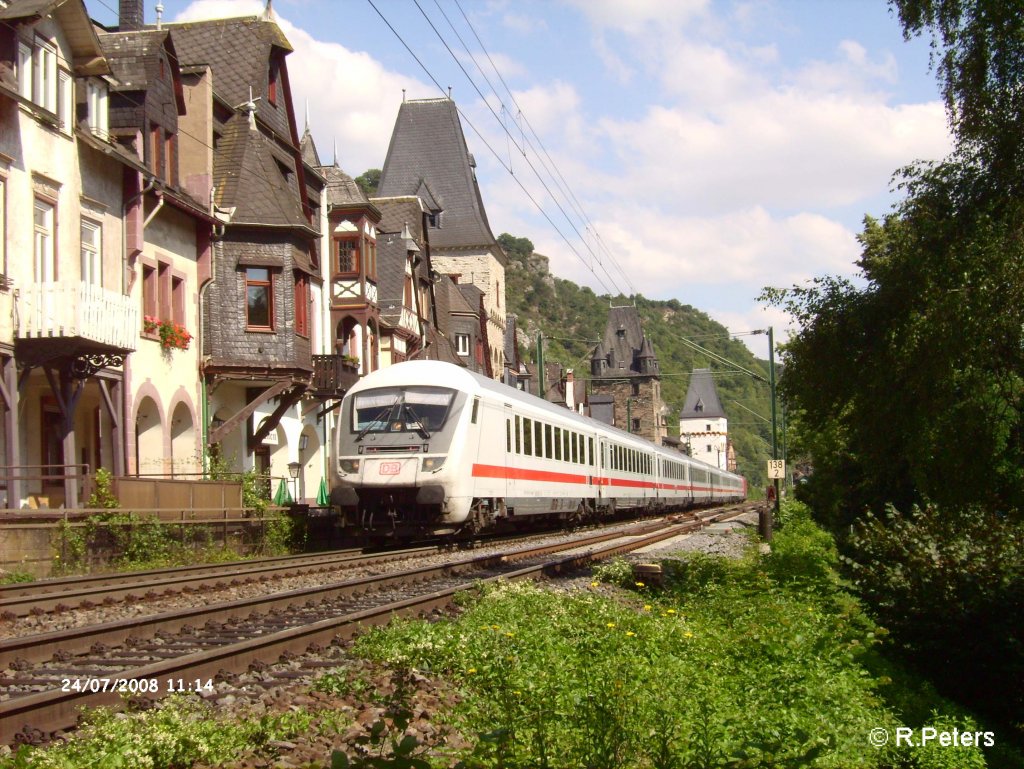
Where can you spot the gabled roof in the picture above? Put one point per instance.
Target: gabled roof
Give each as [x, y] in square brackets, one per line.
[702, 397]
[428, 157]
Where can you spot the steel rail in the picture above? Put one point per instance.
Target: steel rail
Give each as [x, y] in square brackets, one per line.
[56, 710]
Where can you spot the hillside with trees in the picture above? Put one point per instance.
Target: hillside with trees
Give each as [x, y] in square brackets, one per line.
[572, 319]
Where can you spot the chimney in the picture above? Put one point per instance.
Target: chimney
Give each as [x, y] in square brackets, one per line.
[131, 15]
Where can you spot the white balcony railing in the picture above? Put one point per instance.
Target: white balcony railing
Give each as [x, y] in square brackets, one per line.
[77, 310]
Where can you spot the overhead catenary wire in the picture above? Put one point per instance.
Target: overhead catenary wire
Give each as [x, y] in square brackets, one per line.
[507, 166]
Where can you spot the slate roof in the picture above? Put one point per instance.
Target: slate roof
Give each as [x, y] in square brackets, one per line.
[702, 397]
[342, 189]
[248, 177]
[391, 256]
[428, 157]
[624, 341]
[392, 249]
[308, 148]
[238, 51]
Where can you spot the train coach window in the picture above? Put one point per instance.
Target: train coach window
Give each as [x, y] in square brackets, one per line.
[558, 443]
[575, 448]
[565, 443]
[518, 447]
[547, 442]
[538, 439]
[528, 437]
[508, 436]
[590, 452]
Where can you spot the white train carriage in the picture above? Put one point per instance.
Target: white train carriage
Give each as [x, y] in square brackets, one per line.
[428, 447]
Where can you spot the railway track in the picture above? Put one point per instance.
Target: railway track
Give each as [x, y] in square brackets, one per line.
[48, 677]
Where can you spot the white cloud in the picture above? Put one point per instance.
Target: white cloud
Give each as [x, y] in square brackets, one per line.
[638, 16]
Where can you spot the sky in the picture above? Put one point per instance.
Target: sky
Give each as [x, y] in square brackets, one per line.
[679, 149]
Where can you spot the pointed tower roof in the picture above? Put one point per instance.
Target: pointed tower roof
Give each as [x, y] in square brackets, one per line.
[308, 148]
[428, 157]
[702, 397]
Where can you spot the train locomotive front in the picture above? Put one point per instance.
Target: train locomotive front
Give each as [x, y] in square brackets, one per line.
[399, 446]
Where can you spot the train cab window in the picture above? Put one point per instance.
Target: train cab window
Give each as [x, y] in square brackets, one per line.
[528, 437]
[476, 409]
[558, 443]
[401, 409]
[518, 445]
[547, 442]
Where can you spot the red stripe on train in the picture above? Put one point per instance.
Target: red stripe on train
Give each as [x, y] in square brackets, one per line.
[518, 474]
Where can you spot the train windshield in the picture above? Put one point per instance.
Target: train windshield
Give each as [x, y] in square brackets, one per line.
[397, 410]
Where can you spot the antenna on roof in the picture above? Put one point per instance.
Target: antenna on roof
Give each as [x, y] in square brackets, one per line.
[449, 93]
[335, 152]
[250, 108]
[403, 96]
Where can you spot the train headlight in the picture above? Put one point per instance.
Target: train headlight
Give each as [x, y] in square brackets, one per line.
[349, 465]
[430, 464]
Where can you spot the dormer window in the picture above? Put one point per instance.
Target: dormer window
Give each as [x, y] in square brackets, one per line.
[434, 219]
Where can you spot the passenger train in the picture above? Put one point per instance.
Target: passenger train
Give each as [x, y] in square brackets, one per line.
[429, 448]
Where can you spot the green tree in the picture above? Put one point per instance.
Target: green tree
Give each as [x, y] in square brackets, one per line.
[369, 181]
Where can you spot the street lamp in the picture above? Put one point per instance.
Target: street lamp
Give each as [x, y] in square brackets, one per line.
[293, 471]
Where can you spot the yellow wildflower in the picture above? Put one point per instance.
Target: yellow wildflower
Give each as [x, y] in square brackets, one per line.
[647, 607]
[471, 671]
[671, 611]
[639, 584]
[630, 633]
[611, 624]
[594, 584]
[687, 634]
[510, 635]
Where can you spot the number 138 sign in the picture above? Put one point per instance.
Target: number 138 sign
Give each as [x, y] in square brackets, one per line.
[776, 468]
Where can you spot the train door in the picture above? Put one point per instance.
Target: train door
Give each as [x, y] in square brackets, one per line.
[513, 430]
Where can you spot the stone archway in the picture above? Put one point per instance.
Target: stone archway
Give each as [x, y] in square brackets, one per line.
[149, 438]
[185, 458]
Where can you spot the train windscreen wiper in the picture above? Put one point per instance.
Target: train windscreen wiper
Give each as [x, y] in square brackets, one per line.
[420, 428]
[375, 422]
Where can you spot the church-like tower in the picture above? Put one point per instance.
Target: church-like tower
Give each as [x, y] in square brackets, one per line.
[626, 377]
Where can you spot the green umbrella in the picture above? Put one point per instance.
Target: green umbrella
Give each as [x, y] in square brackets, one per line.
[322, 497]
[282, 497]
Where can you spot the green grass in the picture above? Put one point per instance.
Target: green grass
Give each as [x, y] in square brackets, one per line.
[759, 662]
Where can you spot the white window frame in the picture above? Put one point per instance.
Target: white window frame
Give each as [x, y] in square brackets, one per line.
[44, 216]
[44, 76]
[65, 100]
[462, 344]
[25, 69]
[92, 252]
[96, 100]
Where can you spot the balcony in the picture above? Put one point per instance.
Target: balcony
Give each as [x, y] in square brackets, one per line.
[332, 376]
[99, 318]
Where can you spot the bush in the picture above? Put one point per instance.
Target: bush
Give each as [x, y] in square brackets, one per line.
[950, 586]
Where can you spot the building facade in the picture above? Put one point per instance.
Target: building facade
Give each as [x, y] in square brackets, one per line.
[703, 426]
